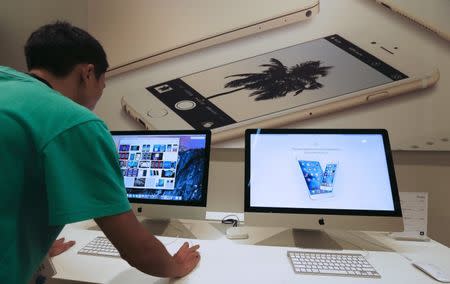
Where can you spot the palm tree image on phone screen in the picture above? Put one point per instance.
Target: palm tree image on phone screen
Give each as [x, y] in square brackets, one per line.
[278, 80]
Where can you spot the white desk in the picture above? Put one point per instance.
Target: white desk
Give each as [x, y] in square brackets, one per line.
[226, 261]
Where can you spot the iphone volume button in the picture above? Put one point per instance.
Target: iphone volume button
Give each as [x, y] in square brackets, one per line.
[377, 96]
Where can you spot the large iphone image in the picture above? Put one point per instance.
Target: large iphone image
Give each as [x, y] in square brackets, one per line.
[319, 181]
[288, 81]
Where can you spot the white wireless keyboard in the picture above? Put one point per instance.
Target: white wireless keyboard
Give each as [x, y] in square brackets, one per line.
[341, 264]
[100, 246]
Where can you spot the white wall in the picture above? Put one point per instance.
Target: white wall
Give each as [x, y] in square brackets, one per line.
[18, 18]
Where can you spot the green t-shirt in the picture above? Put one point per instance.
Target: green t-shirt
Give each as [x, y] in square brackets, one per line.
[58, 165]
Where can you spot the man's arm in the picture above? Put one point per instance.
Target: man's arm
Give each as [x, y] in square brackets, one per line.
[145, 252]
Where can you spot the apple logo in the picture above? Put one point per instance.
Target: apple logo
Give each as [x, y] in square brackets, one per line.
[321, 221]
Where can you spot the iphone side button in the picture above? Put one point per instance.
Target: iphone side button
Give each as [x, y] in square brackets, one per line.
[378, 96]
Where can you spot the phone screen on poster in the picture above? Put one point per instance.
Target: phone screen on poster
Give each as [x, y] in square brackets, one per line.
[280, 80]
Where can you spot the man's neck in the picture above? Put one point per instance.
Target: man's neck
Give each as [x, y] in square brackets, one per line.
[41, 79]
[65, 85]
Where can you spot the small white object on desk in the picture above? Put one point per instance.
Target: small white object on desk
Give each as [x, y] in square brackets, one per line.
[433, 271]
[236, 233]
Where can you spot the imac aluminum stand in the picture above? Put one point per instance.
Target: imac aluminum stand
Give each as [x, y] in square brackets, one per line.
[314, 239]
[167, 228]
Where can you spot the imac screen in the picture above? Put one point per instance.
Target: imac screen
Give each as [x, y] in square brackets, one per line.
[344, 172]
[164, 167]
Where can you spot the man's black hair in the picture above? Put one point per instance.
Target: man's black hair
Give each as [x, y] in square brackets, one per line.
[58, 47]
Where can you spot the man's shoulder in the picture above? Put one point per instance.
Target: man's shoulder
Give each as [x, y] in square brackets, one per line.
[66, 109]
[8, 72]
[57, 114]
[39, 110]
[66, 116]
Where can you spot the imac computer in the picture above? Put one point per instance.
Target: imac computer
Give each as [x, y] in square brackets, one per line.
[316, 179]
[165, 173]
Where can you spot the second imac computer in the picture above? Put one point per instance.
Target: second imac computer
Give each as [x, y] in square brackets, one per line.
[316, 179]
[165, 172]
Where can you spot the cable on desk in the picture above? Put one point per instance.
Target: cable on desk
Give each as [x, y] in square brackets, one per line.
[228, 220]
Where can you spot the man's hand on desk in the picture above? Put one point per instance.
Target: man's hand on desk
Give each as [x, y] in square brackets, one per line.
[187, 258]
[59, 246]
[143, 250]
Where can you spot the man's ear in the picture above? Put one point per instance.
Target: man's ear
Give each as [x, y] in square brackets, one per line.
[90, 71]
[87, 71]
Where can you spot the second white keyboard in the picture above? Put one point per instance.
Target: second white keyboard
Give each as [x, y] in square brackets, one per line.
[341, 264]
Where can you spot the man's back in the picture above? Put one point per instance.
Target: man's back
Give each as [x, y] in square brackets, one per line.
[36, 123]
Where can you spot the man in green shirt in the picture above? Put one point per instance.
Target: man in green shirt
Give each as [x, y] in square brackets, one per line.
[59, 163]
